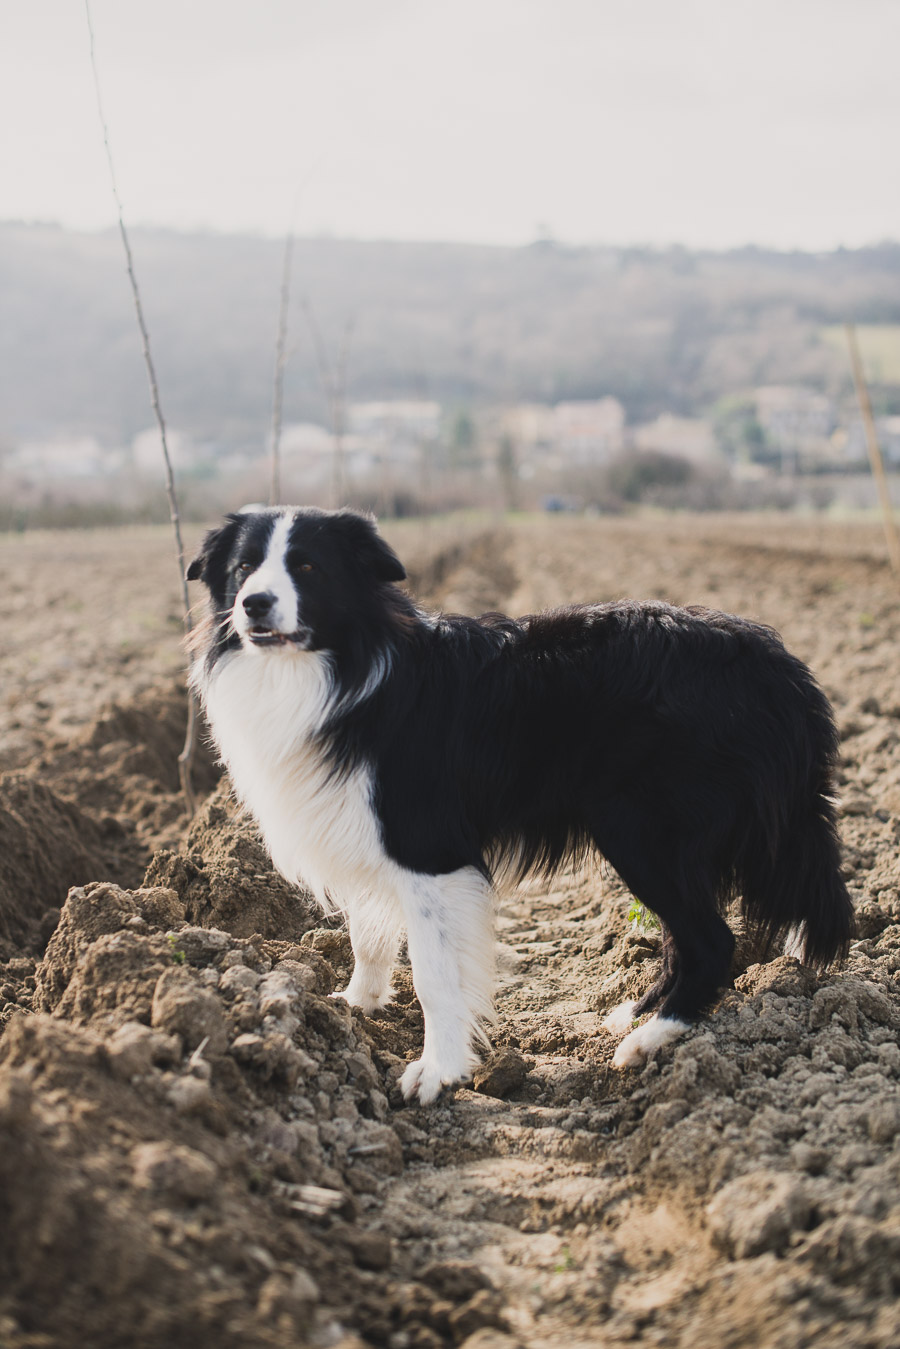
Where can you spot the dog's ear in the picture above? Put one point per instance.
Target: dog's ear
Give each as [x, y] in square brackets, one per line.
[383, 561]
[215, 543]
[197, 567]
[377, 556]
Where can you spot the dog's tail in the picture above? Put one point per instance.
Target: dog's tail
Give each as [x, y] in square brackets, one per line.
[794, 889]
[788, 859]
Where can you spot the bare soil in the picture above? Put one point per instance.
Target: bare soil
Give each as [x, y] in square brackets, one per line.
[198, 1145]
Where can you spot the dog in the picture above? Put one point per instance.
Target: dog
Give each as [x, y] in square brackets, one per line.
[396, 762]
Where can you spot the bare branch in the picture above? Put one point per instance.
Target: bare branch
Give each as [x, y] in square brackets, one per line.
[185, 758]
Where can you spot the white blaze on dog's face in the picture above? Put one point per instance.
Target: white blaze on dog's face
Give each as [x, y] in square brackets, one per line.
[266, 609]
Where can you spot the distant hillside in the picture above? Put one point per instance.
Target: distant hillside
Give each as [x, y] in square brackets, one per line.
[661, 331]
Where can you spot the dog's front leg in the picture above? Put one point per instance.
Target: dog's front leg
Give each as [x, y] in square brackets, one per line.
[376, 923]
[450, 930]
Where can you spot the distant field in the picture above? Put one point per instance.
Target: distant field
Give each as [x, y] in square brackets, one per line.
[879, 345]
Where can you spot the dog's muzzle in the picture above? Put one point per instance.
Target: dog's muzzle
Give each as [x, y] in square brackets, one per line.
[256, 624]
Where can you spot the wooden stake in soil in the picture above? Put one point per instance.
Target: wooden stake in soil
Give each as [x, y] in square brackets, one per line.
[186, 757]
[877, 463]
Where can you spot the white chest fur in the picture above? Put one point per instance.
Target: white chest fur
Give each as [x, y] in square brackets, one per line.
[265, 710]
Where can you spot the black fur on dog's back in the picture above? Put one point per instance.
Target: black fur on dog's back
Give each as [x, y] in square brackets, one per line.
[688, 746]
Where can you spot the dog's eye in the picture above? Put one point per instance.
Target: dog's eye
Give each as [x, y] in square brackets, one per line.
[245, 568]
[306, 566]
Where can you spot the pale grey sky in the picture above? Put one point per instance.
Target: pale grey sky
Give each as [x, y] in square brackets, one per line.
[706, 122]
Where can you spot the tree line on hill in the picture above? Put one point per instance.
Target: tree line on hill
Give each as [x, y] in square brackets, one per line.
[661, 330]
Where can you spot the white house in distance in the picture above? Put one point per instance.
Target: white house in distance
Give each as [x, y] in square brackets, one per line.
[395, 429]
[573, 433]
[589, 431]
[529, 426]
[798, 422]
[688, 438]
[850, 440]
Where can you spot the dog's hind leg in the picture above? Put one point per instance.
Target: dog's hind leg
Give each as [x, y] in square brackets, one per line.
[450, 931]
[697, 965]
[667, 978]
[697, 943]
[642, 1040]
[623, 1017]
[376, 924]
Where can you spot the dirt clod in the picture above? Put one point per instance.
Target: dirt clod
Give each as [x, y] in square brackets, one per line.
[757, 1213]
[182, 1007]
[503, 1073]
[179, 1172]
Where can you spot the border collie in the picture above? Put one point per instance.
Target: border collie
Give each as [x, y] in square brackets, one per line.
[396, 761]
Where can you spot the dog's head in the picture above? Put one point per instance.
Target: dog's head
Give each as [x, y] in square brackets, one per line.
[294, 579]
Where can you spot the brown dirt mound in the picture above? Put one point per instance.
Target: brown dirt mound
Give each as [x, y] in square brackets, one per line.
[91, 807]
[224, 878]
[46, 845]
[125, 763]
[250, 1129]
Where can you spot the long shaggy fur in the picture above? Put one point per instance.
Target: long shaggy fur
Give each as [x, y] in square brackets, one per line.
[395, 761]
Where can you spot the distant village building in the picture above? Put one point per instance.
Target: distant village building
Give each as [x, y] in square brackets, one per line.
[797, 423]
[690, 438]
[589, 431]
[888, 432]
[530, 426]
[394, 429]
[852, 441]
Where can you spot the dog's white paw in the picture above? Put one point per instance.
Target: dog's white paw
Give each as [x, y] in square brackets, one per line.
[423, 1081]
[641, 1043]
[366, 1001]
[620, 1019]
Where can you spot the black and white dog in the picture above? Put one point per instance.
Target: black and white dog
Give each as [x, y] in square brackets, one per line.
[396, 761]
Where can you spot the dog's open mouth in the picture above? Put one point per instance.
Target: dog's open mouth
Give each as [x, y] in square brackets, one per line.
[260, 636]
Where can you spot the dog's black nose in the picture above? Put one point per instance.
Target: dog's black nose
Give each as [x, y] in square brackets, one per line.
[258, 605]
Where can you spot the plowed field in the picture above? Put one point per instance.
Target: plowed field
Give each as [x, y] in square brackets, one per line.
[198, 1146]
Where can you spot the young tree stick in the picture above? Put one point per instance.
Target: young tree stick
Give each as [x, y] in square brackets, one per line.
[186, 757]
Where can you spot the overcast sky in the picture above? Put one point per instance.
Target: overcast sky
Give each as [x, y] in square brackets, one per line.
[706, 122]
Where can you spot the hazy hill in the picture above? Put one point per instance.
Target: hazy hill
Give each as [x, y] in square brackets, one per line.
[660, 330]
